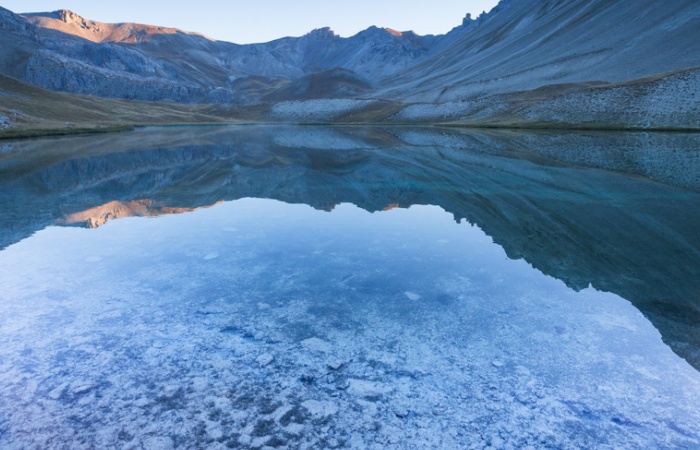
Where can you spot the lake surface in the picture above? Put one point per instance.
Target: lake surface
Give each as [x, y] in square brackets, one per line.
[351, 287]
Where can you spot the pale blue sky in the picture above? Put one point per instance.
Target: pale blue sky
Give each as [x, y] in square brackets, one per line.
[264, 20]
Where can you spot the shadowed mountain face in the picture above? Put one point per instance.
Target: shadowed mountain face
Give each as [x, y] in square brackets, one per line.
[618, 211]
[525, 44]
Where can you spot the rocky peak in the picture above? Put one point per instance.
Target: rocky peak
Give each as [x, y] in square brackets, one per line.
[70, 17]
[324, 33]
[467, 20]
[67, 16]
[383, 34]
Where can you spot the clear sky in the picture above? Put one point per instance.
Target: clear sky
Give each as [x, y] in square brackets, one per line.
[264, 20]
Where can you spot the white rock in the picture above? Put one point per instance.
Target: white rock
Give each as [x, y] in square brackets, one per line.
[335, 365]
[320, 409]
[316, 345]
[412, 296]
[365, 388]
[265, 359]
[83, 388]
[55, 394]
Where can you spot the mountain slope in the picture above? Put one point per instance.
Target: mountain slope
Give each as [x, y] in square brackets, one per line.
[333, 83]
[19, 40]
[26, 109]
[526, 44]
[666, 101]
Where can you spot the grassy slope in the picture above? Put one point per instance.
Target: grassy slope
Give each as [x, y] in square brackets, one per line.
[35, 111]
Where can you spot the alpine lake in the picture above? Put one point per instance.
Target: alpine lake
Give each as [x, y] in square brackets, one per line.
[307, 287]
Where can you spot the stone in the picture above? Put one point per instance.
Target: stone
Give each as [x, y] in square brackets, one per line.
[265, 359]
[335, 365]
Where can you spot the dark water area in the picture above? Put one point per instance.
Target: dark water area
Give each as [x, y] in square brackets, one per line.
[350, 287]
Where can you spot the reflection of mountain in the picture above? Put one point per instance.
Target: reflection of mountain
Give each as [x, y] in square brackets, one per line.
[637, 235]
[100, 215]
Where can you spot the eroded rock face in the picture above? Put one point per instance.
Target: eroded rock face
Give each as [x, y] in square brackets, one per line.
[52, 71]
[13, 23]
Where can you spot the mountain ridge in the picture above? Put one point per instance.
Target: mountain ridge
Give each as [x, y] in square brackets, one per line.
[519, 46]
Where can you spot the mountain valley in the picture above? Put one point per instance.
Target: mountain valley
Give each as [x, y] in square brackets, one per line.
[526, 63]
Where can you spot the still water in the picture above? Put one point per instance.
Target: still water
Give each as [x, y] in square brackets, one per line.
[300, 287]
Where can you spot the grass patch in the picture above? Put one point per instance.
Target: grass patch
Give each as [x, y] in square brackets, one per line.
[43, 132]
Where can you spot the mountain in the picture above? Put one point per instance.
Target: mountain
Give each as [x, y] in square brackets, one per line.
[526, 44]
[145, 62]
[595, 62]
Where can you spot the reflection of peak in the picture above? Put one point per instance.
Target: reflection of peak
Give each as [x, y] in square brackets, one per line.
[100, 215]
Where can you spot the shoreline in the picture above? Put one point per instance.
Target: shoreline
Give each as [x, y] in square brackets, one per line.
[31, 133]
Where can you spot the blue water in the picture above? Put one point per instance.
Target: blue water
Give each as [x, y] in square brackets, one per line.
[248, 288]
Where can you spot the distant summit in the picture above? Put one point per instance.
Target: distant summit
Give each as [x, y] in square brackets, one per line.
[72, 24]
[323, 33]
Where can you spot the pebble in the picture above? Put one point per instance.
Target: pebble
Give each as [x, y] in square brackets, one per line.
[335, 365]
[412, 296]
[265, 359]
[307, 378]
[83, 388]
[56, 393]
[401, 413]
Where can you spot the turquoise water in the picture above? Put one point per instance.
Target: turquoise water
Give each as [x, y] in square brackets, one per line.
[307, 287]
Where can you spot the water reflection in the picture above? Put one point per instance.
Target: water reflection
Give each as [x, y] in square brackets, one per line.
[262, 321]
[533, 193]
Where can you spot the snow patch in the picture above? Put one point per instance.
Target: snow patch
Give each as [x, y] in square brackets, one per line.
[320, 409]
